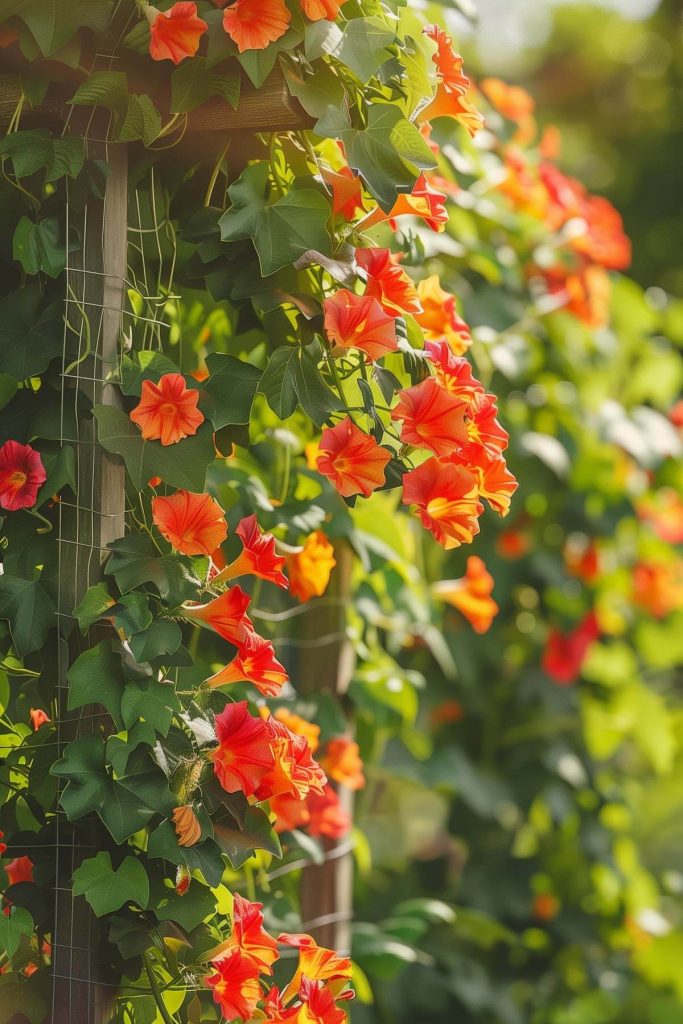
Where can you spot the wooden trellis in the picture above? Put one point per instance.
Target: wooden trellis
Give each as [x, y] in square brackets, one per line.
[83, 992]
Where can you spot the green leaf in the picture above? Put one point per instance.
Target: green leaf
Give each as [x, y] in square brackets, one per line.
[363, 46]
[151, 701]
[162, 637]
[53, 23]
[239, 843]
[389, 153]
[29, 610]
[134, 116]
[142, 366]
[39, 247]
[61, 472]
[12, 926]
[30, 337]
[31, 150]
[96, 602]
[292, 378]
[193, 82]
[135, 560]
[315, 92]
[205, 856]
[188, 910]
[131, 614]
[281, 231]
[107, 889]
[8, 389]
[228, 393]
[24, 998]
[96, 677]
[142, 777]
[180, 465]
[91, 788]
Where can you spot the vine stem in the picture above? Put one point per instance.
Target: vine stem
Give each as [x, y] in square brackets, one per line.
[214, 174]
[156, 992]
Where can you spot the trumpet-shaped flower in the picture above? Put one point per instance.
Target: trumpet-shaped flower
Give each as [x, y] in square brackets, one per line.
[255, 663]
[439, 317]
[471, 595]
[352, 460]
[446, 500]
[432, 418]
[193, 524]
[310, 569]
[254, 24]
[388, 282]
[22, 474]
[167, 411]
[174, 34]
[227, 615]
[258, 556]
[236, 986]
[342, 762]
[358, 321]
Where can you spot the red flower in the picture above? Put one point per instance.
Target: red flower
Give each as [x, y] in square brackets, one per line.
[22, 474]
[226, 614]
[193, 524]
[494, 480]
[358, 321]
[174, 34]
[248, 936]
[420, 202]
[19, 870]
[290, 812]
[347, 194]
[471, 595]
[352, 460]
[318, 1005]
[167, 411]
[317, 964]
[343, 763]
[388, 282]
[38, 717]
[294, 771]
[3, 846]
[258, 557]
[326, 816]
[453, 373]
[243, 755]
[254, 24]
[316, 10]
[582, 558]
[310, 569]
[236, 986]
[431, 417]
[255, 663]
[447, 503]
[451, 93]
[448, 63]
[483, 427]
[565, 652]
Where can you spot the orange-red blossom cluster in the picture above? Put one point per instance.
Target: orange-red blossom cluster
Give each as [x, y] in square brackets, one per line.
[243, 967]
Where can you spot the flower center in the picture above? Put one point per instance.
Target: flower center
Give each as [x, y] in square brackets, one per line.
[167, 409]
[17, 479]
[441, 508]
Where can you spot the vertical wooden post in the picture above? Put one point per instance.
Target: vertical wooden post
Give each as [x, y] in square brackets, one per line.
[326, 662]
[95, 280]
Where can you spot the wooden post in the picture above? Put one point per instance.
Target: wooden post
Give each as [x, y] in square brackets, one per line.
[326, 663]
[83, 992]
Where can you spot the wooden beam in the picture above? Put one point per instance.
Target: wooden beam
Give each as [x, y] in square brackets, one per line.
[83, 989]
[326, 662]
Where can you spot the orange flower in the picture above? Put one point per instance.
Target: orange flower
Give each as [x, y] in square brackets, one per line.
[22, 474]
[431, 417]
[290, 812]
[315, 963]
[255, 663]
[471, 595]
[236, 986]
[226, 614]
[545, 906]
[347, 193]
[352, 460]
[358, 321]
[317, 1005]
[483, 427]
[300, 726]
[422, 202]
[512, 544]
[19, 870]
[167, 411]
[495, 482]
[343, 763]
[317, 10]
[243, 755]
[38, 717]
[388, 282]
[586, 293]
[446, 500]
[451, 93]
[439, 318]
[327, 817]
[186, 825]
[310, 569]
[658, 586]
[514, 103]
[582, 558]
[453, 373]
[254, 24]
[174, 34]
[248, 936]
[258, 557]
[193, 524]
[294, 771]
